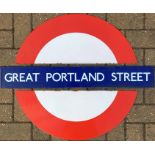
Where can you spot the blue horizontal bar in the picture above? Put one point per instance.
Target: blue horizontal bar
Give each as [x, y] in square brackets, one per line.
[76, 77]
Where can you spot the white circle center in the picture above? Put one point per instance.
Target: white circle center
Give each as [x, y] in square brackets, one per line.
[75, 48]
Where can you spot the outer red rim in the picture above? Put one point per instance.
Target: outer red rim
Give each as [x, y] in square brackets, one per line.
[76, 23]
[84, 129]
[76, 130]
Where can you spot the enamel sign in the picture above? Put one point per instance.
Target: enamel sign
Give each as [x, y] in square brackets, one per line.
[68, 54]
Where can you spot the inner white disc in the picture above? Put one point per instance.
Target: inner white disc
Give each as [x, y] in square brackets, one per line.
[76, 105]
[75, 48]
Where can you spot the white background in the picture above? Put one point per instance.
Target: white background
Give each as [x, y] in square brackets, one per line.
[77, 6]
[77, 148]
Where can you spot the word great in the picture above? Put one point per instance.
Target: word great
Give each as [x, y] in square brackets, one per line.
[70, 77]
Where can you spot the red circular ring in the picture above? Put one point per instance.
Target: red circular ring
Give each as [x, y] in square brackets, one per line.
[123, 53]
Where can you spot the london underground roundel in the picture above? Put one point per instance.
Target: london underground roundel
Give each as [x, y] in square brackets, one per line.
[76, 114]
